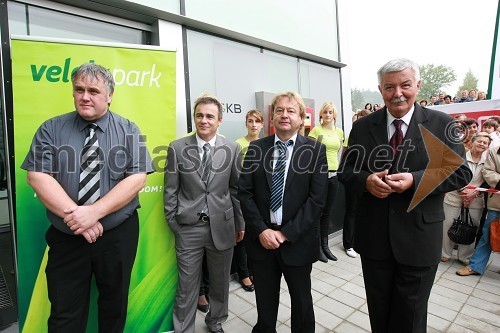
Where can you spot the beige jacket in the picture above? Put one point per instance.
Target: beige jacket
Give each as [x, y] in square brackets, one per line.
[453, 198]
[491, 173]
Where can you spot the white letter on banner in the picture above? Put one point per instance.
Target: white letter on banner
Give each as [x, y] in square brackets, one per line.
[115, 75]
[153, 78]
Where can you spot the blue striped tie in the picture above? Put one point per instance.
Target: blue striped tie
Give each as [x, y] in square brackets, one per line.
[279, 175]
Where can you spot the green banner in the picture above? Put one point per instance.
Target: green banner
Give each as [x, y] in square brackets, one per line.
[145, 94]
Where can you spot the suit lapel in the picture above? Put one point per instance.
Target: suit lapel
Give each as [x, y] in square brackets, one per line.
[379, 127]
[218, 157]
[194, 153]
[268, 151]
[419, 117]
[293, 162]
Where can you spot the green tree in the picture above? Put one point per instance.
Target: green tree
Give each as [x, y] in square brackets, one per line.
[356, 99]
[470, 82]
[359, 98]
[434, 79]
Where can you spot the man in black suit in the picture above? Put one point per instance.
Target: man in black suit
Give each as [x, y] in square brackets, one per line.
[400, 246]
[282, 215]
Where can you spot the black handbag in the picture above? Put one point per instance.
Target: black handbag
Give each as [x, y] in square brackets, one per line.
[462, 231]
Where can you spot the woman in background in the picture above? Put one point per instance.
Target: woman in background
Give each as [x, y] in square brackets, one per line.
[472, 199]
[254, 122]
[332, 137]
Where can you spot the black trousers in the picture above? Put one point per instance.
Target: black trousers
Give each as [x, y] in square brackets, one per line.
[267, 278]
[72, 262]
[241, 261]
[397, 295]
[349, 218]
[333, 185]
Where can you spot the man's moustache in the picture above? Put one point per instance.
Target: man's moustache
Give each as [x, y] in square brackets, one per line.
[399, 100]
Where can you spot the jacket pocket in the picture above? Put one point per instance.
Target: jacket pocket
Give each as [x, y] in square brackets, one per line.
[229, 213]
[433, 216]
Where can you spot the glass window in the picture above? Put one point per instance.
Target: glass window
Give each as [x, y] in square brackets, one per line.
[17, 18]
[50, 23]
[291, 23]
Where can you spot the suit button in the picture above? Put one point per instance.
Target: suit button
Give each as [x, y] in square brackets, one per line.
[393, 211]
[198, 214]
[208, 193]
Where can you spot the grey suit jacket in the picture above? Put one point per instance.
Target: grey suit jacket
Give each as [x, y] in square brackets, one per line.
[185, 192]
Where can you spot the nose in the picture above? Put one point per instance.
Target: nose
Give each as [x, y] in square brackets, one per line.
[86, 95]
[398, 91]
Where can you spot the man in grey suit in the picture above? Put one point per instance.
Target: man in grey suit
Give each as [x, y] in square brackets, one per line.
[201, 208]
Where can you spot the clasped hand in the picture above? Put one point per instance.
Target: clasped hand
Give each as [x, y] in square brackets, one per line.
[82, 220]
[271, 239]
[381, 184]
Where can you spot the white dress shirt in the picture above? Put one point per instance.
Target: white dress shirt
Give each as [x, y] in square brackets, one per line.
[277, 216]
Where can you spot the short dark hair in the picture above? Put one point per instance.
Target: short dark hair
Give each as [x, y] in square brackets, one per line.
[208, 99]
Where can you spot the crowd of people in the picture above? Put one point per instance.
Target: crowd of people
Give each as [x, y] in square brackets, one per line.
[267, 202]
[465, 96]
[440, 99]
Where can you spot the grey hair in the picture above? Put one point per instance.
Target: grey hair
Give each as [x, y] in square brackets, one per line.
[95, 71]
[397, 65]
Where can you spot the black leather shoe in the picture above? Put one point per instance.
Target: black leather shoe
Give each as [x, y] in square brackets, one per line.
[220, 330]
[203, 307]
[248, 288]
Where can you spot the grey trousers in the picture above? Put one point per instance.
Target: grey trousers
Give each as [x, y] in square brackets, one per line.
[191, 243]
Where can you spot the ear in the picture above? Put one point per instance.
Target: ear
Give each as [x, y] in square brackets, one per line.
[110, 98]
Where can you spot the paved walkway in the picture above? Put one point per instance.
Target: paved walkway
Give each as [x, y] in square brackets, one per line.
[457, 304]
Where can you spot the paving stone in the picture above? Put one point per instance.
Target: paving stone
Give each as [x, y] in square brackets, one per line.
[335, 307]
[361, 319]
[442, 312]
[347, 298]
[440, 324]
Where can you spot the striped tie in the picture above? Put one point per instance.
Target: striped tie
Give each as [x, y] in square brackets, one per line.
[279, 175]
[206, 162]
[89, 191]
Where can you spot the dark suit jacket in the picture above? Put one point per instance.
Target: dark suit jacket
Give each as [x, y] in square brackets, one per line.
[384, 227]
[304, 197]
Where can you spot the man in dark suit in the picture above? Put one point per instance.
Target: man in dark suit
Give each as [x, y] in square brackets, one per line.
[282, 191]
[385, 162]
[204, 214]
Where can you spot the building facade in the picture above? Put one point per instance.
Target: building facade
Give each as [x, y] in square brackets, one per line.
[243, 52]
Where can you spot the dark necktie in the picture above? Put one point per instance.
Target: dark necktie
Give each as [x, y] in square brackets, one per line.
[397, 137]
[89, 190]
[279, 175]
[206, 162]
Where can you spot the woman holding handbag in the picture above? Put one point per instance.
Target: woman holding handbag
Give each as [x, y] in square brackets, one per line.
[479, 259]
[471, 199]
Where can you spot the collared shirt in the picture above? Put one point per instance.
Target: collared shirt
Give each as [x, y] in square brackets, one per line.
[201, 143]
[277, 216]
[404, 127]
[56, 150]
